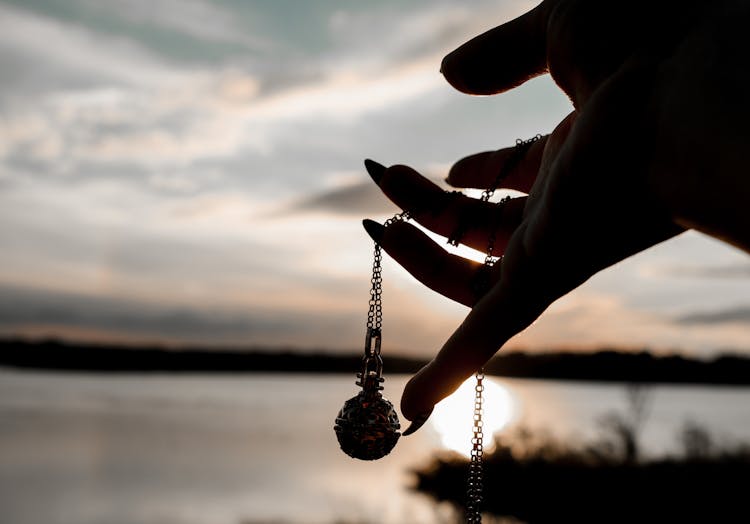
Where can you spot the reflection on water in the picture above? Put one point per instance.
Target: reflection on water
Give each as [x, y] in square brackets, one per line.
[254, 448]
[453, 417]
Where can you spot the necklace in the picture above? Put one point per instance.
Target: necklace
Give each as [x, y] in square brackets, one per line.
[475, 480]
[367, 426]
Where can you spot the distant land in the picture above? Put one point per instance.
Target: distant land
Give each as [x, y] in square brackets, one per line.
[606, 365]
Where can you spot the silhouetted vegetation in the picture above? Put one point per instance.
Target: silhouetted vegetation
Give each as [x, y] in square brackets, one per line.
[618, 366]
[602, 366]
[57, 355]
[535, 478]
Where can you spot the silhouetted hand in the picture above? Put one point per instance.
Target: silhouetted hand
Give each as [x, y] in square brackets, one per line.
[655, 144]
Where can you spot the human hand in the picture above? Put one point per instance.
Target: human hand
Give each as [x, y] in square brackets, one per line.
[605, 184]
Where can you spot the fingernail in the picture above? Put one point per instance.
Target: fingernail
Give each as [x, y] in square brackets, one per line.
[443, 63]
[373, 229]
[375, 170]
[417, 423]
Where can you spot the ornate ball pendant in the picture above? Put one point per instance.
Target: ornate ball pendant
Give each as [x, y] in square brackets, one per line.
[367, 426]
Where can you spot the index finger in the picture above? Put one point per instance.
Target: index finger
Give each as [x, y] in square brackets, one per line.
[503, 57]
[532, 277]
[508, 308]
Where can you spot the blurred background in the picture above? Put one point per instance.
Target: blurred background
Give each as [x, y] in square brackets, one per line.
[189, 173]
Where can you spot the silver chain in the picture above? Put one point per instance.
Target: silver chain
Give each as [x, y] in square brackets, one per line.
[475, 481]
[521, 147]
[375, 312]
[370, 376]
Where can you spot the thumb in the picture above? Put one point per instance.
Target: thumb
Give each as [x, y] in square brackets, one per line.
[503, 57]
[533, 276]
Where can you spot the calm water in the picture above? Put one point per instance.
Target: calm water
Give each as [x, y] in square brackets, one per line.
[214, 449]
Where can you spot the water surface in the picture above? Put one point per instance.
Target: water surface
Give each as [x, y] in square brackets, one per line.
[208, 449]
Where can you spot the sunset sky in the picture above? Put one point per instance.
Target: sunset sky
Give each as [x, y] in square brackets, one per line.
[190, 172]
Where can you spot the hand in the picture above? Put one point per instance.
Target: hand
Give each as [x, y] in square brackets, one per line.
[624, 171]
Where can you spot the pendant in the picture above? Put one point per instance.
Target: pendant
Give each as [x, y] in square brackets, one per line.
[367, 426]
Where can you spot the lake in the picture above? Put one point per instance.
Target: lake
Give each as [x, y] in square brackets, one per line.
[251, 448]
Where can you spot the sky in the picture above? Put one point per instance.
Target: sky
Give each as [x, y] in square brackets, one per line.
[190, 173]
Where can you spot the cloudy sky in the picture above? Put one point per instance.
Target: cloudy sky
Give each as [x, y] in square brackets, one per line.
[190, 172]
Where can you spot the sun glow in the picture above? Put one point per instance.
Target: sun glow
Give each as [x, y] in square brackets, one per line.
[453, 417]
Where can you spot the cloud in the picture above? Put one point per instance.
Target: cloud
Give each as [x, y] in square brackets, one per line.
[738, 314]
[134, 107]
[589, 318]
[68, 56]
[739, 270]
[112, 99]
[34, 312]
[200, 162]
[29, 307]
[37, 312]
[586, 317]
[349, 195]
[194, 18]
[353, 199]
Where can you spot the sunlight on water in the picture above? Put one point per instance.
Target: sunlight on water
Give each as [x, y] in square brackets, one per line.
[453, 417]
[258, 448]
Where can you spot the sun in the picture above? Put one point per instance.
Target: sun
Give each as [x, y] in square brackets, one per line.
[453, 417]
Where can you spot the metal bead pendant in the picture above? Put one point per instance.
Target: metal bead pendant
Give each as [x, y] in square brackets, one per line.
[367, 427]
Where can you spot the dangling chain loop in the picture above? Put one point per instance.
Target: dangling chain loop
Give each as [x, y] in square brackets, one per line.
[372, 363]
[375, 313]
[522, 147]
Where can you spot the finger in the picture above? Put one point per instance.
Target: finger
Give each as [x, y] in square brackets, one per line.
[452, 215]
[450, 275]
[601, 228]
[503, 168]
[501, 58]
[604, 166]
[505, 310]
[417, 423]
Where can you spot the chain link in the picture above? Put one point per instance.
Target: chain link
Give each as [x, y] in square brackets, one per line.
[370, 376]
[375, 324]
[464, 222]
[375, 312]
[476, 481]
[522, 146]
